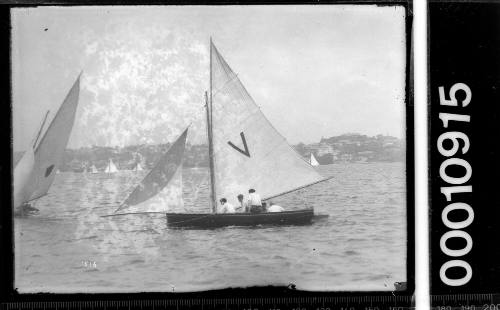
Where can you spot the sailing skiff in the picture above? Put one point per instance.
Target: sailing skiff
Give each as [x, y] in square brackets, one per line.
[204, 220]
[36, 170]
[245, 151]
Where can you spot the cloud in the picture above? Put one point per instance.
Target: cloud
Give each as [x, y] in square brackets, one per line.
[146, 68]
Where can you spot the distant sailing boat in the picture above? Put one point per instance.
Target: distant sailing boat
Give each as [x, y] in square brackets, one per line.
[111, 167]
[93, 169]
[313, 161]
[35, 172]
[138, 167]
[245, 151]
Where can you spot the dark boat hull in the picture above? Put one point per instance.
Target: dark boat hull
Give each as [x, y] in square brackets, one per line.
[207, 220]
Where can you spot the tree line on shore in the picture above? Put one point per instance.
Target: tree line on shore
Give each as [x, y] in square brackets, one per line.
[343, 148]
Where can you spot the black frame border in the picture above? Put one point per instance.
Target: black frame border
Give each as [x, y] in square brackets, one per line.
[8, 293]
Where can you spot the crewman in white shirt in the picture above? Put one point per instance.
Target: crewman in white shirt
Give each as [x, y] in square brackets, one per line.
[275, 208]
[226, 207]
[243, 204]
[254, 201]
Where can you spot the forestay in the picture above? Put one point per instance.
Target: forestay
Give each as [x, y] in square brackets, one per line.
[248, 151]
[49, 152]
[161, 188]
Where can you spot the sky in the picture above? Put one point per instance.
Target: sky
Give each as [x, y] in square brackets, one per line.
[315, 71]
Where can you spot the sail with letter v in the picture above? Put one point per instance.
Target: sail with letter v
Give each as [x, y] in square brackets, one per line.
[248, 151]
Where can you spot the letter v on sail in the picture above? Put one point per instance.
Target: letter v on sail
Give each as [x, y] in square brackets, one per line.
[273, 167]
[245, 152]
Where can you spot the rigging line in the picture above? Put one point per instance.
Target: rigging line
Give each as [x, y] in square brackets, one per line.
[35, 198]
[298, 188]
[41, 129]
[133, 213]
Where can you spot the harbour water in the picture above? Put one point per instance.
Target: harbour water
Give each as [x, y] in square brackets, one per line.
[69, 247]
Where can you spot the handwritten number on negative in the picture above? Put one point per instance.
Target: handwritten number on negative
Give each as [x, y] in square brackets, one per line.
[245, 152]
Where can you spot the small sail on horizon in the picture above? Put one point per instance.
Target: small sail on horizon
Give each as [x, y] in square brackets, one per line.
[313, 161]
[93, 169]
[248, 151]
[48, 153]
[111, 167]
[138, 167]
[161, 188]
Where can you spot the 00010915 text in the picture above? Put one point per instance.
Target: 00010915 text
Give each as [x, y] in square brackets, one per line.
[460, 145]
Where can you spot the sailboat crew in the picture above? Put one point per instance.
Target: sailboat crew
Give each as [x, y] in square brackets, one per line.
[226, 207]
[254, 201]
[243, 205]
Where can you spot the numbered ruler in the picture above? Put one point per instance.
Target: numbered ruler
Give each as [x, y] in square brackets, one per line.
[466, 302]
[295, 303]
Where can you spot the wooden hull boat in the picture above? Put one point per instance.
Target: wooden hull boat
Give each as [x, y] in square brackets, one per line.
[208, 220]
[250, 153]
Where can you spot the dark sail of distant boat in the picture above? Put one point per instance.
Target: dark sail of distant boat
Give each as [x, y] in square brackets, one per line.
[47, 155]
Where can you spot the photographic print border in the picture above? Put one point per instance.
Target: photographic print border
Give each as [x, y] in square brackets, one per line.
[9, 293]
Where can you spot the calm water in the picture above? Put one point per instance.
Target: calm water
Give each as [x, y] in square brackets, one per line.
[68, 247]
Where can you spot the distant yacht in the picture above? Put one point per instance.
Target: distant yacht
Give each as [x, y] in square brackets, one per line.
[93, 169]
[313, 161]
[137, 167]
[111, 167]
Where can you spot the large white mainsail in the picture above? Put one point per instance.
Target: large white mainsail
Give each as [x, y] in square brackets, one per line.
[313, 161]
[161, 188]
[248, 151]
[49, 152]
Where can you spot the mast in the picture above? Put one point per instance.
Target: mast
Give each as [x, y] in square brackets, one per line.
[210, 139]
[210, 154]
